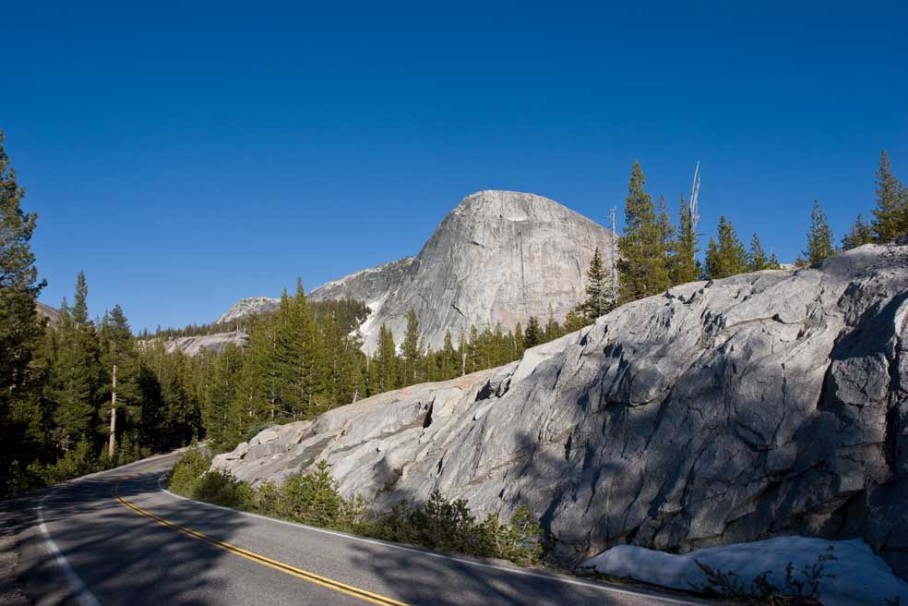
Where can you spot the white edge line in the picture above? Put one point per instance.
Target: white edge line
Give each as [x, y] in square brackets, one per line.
[83, 596]
[442, 556]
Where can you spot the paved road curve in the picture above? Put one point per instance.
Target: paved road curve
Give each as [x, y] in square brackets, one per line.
[123, 540]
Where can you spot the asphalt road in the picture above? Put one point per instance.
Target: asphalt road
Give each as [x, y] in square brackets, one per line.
[117, 538]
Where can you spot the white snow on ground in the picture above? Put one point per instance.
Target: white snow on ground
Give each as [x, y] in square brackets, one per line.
[366, 328]
[856, 576]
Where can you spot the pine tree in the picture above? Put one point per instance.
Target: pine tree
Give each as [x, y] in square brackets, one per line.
[471, 348]
[643, 256]
[819, 238]
[20, 328]
[552, 331]
[520, 345]
[597, 301]
[410, 350]
[449, 366]
[756, 256]
[860, 233]
[667, 231]
[385, 362]
[225, 372]
[118, 349]
[727, 257]
[574, 321]
[76, 375]
[533, 334]
[891, 212]
[684, 249]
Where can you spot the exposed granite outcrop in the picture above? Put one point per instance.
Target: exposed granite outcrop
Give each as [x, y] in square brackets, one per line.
[499, 257]
[719, 412]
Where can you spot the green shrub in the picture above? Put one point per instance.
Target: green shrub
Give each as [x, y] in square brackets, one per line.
[221, 488]
[186, 474]
[450, 526]
[313, 498]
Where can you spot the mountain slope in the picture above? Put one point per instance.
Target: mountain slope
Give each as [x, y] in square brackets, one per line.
[250, 306]
[763, 404]
[499, 257]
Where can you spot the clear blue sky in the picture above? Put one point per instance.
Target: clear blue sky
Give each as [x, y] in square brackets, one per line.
[187, 157]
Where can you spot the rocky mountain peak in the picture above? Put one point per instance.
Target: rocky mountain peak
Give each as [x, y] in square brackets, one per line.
[248, 307]
[499, 257]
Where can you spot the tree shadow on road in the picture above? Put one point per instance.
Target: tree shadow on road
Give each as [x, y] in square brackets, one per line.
[122, 556]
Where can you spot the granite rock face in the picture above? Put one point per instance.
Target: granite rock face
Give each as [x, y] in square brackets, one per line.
[764, 404]
[218, 342]
[250, 306]
[367, 285]
[499, 257]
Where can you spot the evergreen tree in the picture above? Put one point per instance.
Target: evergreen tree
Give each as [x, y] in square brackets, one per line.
[819, 238]
[643, 256]
[20, 328]
[891, 212]
[860, 233]
[552, 331]
[449, 366]
[75, 377]
[225, 372]
[308, 376]
[727, 257]
[533, 334]
[118, 349]
[667, 231]
[471, 350]
[684, 249]
[520, 345]
[385, 362]
[410, 349]
[756, 256]
[574, 321]
[597, 301]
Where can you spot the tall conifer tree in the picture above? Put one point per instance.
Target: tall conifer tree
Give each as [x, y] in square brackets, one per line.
[597, 301]
[819, 238]
[860, 233]
[756, 256]
[684, 249]
[891, 212]
[410, 350]
[726, 257]
[643, 256]
[20, 328]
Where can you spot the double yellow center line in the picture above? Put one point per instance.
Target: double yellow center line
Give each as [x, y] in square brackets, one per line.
[311, 577]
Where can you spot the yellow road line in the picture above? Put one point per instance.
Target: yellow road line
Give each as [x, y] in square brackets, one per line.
[299, 573]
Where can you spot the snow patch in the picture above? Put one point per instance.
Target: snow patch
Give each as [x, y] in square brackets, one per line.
[853, 575]
[367, 327]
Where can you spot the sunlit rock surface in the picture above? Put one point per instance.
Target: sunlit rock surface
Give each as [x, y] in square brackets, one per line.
[765, 404]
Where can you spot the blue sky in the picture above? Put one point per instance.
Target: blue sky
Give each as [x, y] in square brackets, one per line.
[187, 157]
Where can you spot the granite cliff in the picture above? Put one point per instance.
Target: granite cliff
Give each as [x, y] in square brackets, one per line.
[498, 257]
[719, 412]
